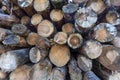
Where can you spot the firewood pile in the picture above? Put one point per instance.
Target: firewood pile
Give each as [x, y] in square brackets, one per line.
[59, 40]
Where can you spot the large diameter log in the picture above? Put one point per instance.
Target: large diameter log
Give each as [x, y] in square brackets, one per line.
[58, 73]
[84, 63]
[10, 60]
[105, 32]
[92, 49]
[45, 28]
[21, 73]
[41, 70]
[90, 76]
[37, 55]
[59, 55]
[96, 5]
[85, 18]
[74, 71]
[110, 58]
[75, 40]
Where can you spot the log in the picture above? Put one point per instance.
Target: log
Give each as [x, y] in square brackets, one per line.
[110, 58]
[92, 49]
[116, 42]
[3, 75]
[59, 55]
[85, 18]
[105, 32]
[32, 38]
[58, 73]
[68, 28]
[84, 63]
[60, 38]
[41, 70]
[37, 55]
[78, 1]
[75, 40]
[36, 19]
[115, 2]
[57, 4]
[25, 20]
[21, 73]
[10, 60]
[45, 28]
[112, 17]
[90, 76]
[74, 71]
[96, 5]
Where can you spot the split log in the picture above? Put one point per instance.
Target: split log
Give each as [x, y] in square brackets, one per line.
[21, 73]
[36, 19]
[85, 19]
[96, 5]
[37, 55]
[68, 28]
[92, 49]
[69, 10]
[45, 28]
[84, 63]
[110, 58]
[105, 32]
[41, 70]
[90, 76]
[10, 60]
[112, 17]
[59, 55]
[116, 42]
[8, 20]
[58, 73]
[60, 38]
[74, 71]
[75, 40]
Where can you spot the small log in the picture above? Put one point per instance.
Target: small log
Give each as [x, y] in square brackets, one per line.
[60, 38]
[68, 28]
[105, 32]
[21, 73]
[36, 19]
[26, 5]
[20, 29]
[92, 49]
[75, 40]
[69, 10]
[10, 60]
[4, 32]
[45, 28]
[14, 40]
[25, 20]
[8, 20]
[58, 73]
[115, 2]
[32, 38]
[85, 18]
[90, 76]
[84, 63]
[116, 42]
[37, 55]
[42, 43]
[57, 4]
[59, 55]
[41, 70]
[112, 17]
[3, 75]
[74, 71]
[78, 1]
[97, 6]
[110, 58]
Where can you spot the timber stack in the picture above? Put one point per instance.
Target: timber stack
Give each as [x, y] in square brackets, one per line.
[59, 40]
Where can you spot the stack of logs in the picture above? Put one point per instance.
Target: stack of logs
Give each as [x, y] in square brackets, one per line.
[59, 40]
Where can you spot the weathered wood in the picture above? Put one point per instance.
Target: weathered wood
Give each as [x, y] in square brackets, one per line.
[10, 60]
[84, 63]
[92, 49]
[59, 55]
[75, 40]
[116, 42]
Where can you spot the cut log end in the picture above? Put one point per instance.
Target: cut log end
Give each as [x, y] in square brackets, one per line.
[24, 3]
